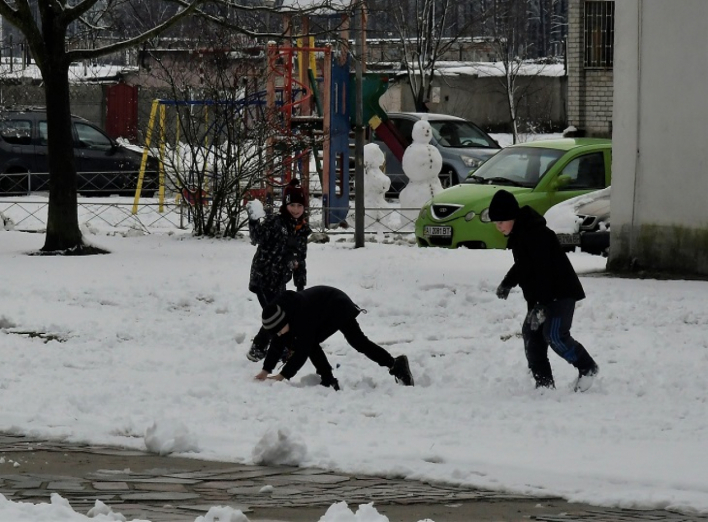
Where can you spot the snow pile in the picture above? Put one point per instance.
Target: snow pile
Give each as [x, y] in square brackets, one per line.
[279, 447]
[101, 509]
[58, 510]
[170, 436]
[340, 512]
[223, 514]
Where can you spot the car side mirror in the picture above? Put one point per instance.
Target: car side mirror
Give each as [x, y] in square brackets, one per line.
[560, 182]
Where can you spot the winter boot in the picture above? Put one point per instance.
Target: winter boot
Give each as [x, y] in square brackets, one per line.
[545, 382]
[585, 379]
[542, 374]
[401, 371]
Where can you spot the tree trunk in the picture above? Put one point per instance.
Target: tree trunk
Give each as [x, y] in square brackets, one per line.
[63, 232]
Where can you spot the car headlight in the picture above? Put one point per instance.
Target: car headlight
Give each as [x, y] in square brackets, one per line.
[471, 162]
[484, 216]
[470, 215]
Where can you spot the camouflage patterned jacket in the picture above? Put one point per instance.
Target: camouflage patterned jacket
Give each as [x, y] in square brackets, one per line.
[281, 240]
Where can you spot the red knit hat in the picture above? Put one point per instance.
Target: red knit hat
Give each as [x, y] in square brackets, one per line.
[294, 193]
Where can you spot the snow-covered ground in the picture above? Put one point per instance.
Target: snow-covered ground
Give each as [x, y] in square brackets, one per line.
[145, 348]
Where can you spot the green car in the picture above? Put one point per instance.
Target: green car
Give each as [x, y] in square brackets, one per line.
[540, 174]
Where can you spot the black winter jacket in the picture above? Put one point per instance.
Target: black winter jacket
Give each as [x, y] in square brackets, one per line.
[541, 267]
[281, 240]
[313, 315]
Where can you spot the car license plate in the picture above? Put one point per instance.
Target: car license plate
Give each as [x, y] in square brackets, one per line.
[569, 239]
[430, 230]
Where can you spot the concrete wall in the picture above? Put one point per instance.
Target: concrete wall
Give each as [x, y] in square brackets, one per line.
[87, 101]
[660, 164]
[590, 91]
[483, 101]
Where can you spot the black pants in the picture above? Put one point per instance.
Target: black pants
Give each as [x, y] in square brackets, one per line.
[362, 344]
[555, 332]
[354, 336]
[262, 339]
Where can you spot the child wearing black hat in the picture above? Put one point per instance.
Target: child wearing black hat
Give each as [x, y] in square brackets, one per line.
[550, 286]
[303, 320]
[281, 254]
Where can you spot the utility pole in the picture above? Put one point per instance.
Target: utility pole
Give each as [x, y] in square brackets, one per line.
[359, 137]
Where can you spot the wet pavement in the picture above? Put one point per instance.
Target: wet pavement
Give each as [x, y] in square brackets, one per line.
[142, 485]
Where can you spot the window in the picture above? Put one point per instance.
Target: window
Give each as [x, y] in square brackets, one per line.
[405, 127]
[17, 132]
[43, 139]
[586, 172]
[91, 138]
[599, 34]
[522, 166]
[455, 133]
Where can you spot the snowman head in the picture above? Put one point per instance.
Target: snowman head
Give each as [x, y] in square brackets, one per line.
[422, 132]
[374, 157]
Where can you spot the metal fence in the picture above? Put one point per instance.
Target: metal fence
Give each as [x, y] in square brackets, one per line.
[29, 213]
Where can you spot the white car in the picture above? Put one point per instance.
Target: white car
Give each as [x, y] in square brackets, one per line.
[583, 222]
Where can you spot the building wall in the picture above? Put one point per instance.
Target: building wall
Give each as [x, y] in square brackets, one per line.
[87, 101]
[660, 163]
[483, 101]
[590, 91]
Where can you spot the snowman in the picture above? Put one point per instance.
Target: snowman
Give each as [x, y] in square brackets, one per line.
[421, 163]
[376, 183]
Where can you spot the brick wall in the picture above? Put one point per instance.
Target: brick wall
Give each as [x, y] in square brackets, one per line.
[590, 91]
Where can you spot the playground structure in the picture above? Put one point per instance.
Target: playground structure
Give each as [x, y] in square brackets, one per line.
[307, 110]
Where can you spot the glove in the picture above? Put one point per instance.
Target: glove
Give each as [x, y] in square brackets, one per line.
[330, 382]
[536, 317]
[255, 210]
[503, 291]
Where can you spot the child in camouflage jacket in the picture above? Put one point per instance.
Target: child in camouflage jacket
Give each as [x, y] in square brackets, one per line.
[281, 254]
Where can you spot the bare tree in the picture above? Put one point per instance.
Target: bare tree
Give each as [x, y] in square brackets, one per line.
[426, 31]
[511, 41]
[59, 32]
[216, 134]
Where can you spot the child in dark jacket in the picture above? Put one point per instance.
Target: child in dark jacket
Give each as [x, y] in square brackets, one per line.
[550, 287]
[281, 254]
[303, 320]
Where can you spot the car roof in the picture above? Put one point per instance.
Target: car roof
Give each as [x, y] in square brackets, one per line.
[564, 143]
[428, 115]
[35, 111]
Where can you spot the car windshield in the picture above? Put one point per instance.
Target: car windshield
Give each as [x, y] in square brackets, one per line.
[516, 166]
[460, 134]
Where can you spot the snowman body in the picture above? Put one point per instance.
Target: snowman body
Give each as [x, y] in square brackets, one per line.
[376, 184]
[422, 164]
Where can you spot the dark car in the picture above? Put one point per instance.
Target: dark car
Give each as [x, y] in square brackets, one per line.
[463, 146]
[104, 167]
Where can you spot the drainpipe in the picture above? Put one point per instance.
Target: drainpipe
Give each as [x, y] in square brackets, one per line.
[633, 223]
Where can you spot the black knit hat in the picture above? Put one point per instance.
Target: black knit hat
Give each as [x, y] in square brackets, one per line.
[503, 207]
[274, 318]
[294, 193]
